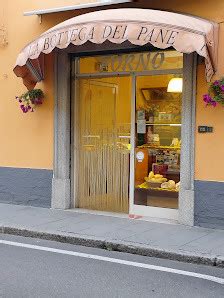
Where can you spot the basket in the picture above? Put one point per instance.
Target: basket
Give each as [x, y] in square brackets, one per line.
[152, 184]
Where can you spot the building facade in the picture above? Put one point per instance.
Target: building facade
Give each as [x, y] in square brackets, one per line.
[121, 124]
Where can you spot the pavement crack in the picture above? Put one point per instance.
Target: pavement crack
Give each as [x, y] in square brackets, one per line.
[195, 239]
[49, 222]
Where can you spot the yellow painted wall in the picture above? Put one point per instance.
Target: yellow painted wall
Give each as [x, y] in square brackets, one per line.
[209, 163]
[26, 139]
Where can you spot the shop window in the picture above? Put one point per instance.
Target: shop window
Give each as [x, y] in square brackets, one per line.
[158, 141]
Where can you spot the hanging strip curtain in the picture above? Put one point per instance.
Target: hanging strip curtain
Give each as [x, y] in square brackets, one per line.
[161, 29]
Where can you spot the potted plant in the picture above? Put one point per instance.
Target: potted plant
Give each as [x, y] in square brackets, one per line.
[215, 93]
[29, 100]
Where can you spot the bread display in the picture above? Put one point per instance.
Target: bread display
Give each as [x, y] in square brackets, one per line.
[155, 178]
[157, 181]
[171, 185]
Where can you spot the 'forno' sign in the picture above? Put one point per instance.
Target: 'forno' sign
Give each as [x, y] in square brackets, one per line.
[131, 62]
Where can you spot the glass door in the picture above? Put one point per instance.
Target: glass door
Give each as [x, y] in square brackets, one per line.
[102, 151]
[157, 146]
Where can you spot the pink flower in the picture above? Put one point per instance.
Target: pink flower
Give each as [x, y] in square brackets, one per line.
[207, 98]
[209, 101]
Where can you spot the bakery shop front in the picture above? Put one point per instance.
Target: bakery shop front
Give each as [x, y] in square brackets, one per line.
[125, 87]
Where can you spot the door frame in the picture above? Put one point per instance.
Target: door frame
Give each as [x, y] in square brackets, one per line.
[63, 168]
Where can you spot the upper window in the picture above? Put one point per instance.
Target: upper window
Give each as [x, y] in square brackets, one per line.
[132, 62]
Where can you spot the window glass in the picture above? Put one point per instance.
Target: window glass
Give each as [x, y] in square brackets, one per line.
[132, 62]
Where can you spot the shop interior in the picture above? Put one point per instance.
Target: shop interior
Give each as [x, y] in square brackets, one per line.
[158, 140]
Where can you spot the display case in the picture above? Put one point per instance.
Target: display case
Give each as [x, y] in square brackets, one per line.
[158, 174]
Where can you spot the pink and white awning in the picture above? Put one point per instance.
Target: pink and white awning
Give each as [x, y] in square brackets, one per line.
[161, 29]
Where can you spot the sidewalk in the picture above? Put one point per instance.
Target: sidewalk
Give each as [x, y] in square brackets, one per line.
[177, 242]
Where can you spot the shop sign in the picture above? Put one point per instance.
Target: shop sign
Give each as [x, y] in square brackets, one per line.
[132, 62]
[80, 34]
[140, 156]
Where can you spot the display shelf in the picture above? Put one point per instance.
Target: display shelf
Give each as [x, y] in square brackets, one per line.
[157, 189]
[159, 147]
[163, 124]
[159, 192]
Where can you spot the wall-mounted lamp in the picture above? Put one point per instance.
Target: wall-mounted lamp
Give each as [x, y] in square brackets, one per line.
[175, 85]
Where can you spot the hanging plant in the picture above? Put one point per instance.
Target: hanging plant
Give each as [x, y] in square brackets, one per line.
[215, 93]
[29, 100]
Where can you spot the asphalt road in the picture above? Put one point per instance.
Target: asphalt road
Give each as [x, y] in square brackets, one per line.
[39, 268]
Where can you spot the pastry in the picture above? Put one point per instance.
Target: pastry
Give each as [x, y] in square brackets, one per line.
[165, 185]
[172, 184]
[151, 175]
[158, 176]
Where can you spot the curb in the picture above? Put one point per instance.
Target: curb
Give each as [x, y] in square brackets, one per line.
[120, 246]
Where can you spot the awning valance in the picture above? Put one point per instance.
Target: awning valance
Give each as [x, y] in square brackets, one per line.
[161, 29]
